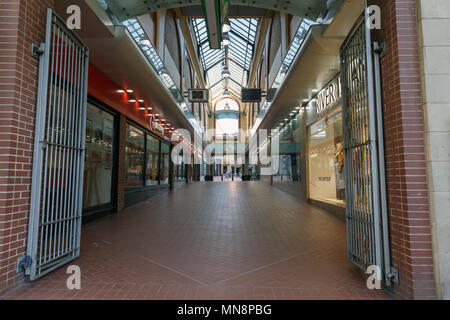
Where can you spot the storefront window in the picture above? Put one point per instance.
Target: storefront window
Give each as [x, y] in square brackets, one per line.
[288, 161]
[135, 156]
[326, 160]
[152, 161]
[98, 165]
[165, 158]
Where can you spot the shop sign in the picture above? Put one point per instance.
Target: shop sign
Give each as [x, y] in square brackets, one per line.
[158, 127]
[329, 95]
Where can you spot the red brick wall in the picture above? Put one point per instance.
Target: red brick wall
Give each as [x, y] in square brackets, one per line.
[411, 242]
[21, 24]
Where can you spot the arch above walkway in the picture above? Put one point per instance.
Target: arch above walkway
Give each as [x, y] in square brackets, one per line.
[126, 9]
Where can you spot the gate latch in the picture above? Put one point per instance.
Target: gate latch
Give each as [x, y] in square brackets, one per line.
[393, 275]
[36, 50]
[381, 49]
[24, 264]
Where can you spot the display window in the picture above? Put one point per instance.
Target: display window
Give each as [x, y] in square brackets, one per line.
[326, 159]
[99, 157]
[135, 144]
[151, 177]
[165, 158]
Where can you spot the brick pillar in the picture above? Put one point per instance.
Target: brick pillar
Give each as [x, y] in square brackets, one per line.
[21, 24]
[121, 179]
[409, 215]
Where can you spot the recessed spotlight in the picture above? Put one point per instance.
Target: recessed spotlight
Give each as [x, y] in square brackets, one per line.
[140, 100]
[130, 91]
[120, 91]
[132, 100]
[145, 42]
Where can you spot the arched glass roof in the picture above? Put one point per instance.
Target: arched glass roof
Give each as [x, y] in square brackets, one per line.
[237, 56]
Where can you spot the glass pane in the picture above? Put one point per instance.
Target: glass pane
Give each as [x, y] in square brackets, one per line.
[99, 157]
[152, 161]
[326, 160]
[135, 156]
[165, 158]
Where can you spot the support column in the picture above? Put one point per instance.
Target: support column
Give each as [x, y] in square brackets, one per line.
[245, 171]
[121, 165]
[405, 155]
[209, 172]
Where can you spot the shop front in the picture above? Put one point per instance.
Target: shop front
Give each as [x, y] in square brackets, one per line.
[147, 164]
[311, 156]
[325, 150]
[127, 156]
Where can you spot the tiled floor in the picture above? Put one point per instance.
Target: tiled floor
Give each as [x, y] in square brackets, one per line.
[212, 241]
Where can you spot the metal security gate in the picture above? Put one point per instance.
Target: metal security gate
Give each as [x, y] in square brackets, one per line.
[366, 212]
[57, 182]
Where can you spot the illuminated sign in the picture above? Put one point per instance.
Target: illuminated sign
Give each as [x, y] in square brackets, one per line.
[329, 95]
[157, 126]
[199, 95]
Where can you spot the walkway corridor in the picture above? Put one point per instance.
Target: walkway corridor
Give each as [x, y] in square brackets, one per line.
[212, 241]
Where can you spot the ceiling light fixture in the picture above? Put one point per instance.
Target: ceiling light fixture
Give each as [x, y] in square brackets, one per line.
[145, 42]
[226, 26]
[226, 73]
[226, 40]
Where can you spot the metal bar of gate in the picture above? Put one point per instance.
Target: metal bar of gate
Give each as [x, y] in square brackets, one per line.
[384, 213]
[58, 165]
[373, 137]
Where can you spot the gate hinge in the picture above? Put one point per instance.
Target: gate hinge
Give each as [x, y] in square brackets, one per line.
[24, 264]
[37, 51]
[380, 49]
[393, 275]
